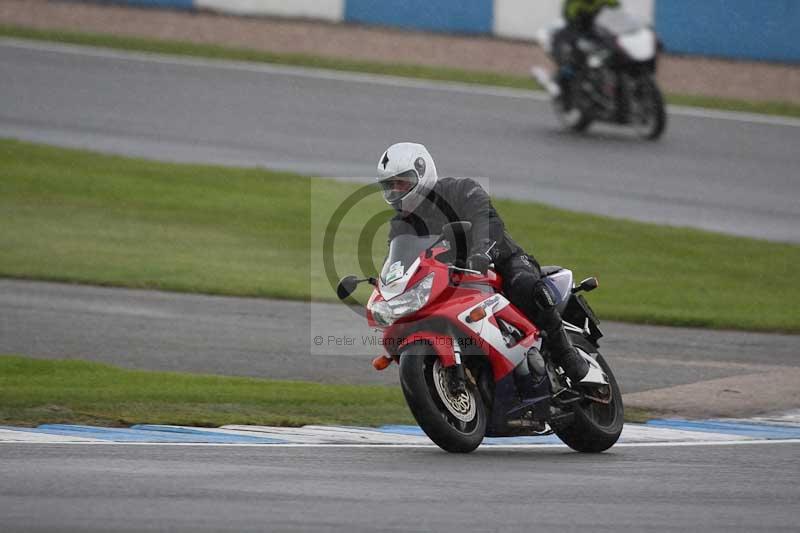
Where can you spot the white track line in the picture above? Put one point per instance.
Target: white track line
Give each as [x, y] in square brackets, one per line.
[411, 446]
[353, 77]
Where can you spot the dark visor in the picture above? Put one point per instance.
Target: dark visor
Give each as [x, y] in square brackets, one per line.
[397, 187]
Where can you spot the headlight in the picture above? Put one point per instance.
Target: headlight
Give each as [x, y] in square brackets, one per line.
[382, 313]
[411, 301]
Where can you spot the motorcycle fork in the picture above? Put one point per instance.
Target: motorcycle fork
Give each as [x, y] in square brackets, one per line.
[457, 376]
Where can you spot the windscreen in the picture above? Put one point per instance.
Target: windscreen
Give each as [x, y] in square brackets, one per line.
[618, 22]
[404, 250]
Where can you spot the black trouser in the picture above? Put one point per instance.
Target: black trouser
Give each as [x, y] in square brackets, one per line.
[564, 46]
[565, 42]
[523, 286]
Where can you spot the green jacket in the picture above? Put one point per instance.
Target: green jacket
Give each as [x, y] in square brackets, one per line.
[575, 9]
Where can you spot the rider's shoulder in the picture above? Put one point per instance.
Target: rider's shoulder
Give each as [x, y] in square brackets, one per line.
[468, 187]
[458, 189]
[451, 182]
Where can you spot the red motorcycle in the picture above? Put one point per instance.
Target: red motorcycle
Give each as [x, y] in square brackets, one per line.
[471, 364]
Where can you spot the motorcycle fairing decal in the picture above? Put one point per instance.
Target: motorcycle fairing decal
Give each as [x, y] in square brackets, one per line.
[512, 316]
[396, 284]
[490, 306]
[502, 358]
[442, 345]
[395, 272]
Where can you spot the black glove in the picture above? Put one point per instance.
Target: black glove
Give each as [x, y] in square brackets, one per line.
[479, 262]
[483, 254]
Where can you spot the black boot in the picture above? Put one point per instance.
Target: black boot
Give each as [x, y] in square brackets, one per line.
[566, 356]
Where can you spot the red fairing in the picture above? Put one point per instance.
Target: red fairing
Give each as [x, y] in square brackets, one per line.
[491, 278]
[452, 295]
[442, 344]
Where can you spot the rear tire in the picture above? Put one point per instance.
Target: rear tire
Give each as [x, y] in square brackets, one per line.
[596, 427]
[650, 120]
[458, 429]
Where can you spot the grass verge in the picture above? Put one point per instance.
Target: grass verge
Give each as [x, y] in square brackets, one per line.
[34, 391]
[44, 391]
[76, 216]
[141, 44]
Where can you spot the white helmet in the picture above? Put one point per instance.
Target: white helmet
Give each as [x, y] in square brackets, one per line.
[407, 173]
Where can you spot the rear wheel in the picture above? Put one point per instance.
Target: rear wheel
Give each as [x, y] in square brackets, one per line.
[648, 112]
[597, 425]
[456, 423]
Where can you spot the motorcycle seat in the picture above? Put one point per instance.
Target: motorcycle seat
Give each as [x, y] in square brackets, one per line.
[550, 270]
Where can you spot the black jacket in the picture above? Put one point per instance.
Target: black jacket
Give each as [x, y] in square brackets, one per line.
[459, 199]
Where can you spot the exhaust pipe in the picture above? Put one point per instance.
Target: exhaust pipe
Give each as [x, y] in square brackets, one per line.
[544, 79]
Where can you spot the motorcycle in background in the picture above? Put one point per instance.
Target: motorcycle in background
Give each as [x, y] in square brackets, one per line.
[615, 79]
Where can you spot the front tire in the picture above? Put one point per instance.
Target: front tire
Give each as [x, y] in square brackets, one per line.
[596, 427]
[455, 424]
[569, 114]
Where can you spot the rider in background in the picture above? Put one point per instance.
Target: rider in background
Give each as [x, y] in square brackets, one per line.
[580, 16]
[425, 204]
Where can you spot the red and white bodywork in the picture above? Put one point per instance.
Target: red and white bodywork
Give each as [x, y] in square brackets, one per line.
[472, 364]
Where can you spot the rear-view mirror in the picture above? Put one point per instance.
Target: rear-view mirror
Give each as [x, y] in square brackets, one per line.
[347, 286]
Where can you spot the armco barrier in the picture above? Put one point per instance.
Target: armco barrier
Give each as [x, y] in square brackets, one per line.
[461, 16]
[741, 29]
[172, 4]
[330, 10]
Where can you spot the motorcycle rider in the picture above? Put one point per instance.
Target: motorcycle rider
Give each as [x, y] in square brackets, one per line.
[425, 203]
[580, 16]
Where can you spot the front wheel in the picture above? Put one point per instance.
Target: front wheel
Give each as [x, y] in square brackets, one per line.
[567, 109]
[596, 426]
[456, 423]
[570, 117]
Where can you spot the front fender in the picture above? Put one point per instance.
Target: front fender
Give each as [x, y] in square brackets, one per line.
[442, 344]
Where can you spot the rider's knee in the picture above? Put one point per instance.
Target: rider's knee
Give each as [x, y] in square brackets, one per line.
[543, 296]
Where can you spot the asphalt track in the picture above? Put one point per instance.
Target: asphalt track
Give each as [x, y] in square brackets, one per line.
[722, 488]
[725, 172]
[278, 339]
[714, 171]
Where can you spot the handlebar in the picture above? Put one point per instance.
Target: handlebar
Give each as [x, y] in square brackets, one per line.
[467, 270]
